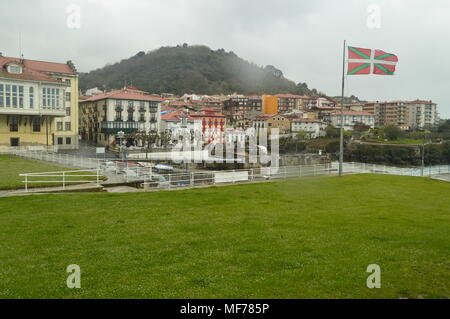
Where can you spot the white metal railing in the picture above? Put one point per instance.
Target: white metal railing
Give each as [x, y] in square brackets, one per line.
[355, 167]
[62, 177]
[149, 179]
[59, 158]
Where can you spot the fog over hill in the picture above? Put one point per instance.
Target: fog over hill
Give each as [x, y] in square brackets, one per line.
[192, 69]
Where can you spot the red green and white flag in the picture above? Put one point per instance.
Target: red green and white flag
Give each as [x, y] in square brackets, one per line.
[369, 61]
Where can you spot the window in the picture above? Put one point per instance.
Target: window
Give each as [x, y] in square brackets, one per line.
[49, 97]
[14, 68]
[15, 141]
[68, 126]
[20, 96]
[44, 97]
[118, 115]
[53, 94]
[59, 126]
[31, 95]
[2, 93]
[67, 111]
[14, 95]
[60, 141]
[68, 81]
[57, 98]
[36, 124]
[130, 115]
[68, 96]
[68, 140]
[13, 125]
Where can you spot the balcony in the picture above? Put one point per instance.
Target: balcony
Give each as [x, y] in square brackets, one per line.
[14, 110]
[113, 127]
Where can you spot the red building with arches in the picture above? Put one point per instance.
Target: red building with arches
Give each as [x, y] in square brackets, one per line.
[213, 125]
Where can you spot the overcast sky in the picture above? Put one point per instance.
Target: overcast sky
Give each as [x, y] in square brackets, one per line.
[302, 38]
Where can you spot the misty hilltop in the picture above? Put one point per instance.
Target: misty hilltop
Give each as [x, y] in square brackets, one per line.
[192, 69]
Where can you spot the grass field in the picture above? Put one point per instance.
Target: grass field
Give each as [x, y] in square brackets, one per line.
[11, 167]
[302, 238]
[403, 141]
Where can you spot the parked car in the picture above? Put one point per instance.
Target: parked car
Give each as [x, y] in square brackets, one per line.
[109, 166]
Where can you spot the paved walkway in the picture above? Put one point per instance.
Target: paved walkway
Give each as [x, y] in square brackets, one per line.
[88, 151]
[88, 187]
[442, 177]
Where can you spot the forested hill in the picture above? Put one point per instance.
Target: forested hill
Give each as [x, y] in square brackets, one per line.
[192, 69]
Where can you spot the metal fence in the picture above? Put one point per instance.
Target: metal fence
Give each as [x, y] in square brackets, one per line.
[61, 178]
[59, 158]
[149, 178]
[354, 168]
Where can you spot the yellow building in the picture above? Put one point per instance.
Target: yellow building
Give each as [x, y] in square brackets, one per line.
[38, 103]
[269, 104]
[272, 121]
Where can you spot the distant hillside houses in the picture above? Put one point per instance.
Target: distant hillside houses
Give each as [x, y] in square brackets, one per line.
[103, 114]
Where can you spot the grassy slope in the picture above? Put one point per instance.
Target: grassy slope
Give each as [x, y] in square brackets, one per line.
[11, 167]
[291, 239]
[402, 141]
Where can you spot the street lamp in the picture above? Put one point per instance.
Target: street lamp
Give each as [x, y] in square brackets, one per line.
[121, 135]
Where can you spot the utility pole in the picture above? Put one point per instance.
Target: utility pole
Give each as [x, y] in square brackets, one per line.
[423, 158]
[341, 144]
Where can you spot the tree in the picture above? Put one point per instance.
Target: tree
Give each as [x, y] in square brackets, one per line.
[146, 140]
[301, 135]
[445, 127]
[392, 132]
[332, 132]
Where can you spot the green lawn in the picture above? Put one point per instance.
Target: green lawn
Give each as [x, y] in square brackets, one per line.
[407, 141]
[12, 166]
[302, 238]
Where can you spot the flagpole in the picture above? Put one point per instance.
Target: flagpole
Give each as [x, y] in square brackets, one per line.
[341, 144]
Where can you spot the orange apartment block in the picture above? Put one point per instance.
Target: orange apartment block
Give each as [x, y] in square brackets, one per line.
[269, 104]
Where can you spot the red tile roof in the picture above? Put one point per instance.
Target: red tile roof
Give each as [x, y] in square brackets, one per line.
[306, 120]
[348, 112]
[34, 70]
[292, 96]
[124, 94]
[208, 113]
[268, 116]
[41, 66]
[176, 116]
[420, 101]
[397, 101]
[325, 107]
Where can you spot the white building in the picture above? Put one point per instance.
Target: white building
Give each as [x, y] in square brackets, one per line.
[422, 114]
[179, 122]
[351, 118]
[312, 127]
[128, 110]
[38, 103]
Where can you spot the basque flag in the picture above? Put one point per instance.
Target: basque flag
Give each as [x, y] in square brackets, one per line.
[369, 61]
